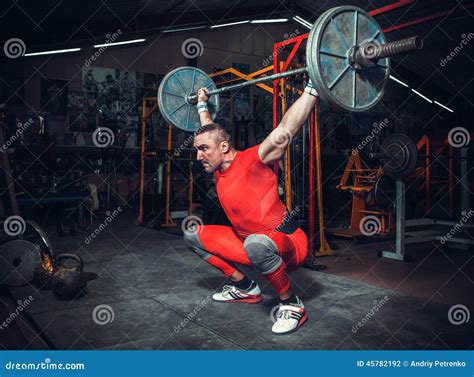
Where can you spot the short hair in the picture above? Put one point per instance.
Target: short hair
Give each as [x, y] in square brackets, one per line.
[222, 134]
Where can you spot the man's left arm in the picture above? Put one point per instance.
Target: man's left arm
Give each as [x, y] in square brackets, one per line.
[275, 144]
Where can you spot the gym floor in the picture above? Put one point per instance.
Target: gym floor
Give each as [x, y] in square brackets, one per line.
[153, 293]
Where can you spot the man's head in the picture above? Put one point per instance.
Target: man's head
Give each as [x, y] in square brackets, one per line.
[213, 145]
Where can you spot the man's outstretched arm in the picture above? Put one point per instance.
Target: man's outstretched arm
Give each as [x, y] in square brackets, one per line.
[204, 115]
[275, 144]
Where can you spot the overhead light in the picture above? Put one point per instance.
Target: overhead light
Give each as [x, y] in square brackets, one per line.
[440, 104]
[53, 52]
[421, 95]
[269, 21]
[231, 24]
[119, 43]
[397, 80]
[184, 29]
[303, 22]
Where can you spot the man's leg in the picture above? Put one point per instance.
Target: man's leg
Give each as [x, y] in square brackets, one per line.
[221, 247]
[273, 255]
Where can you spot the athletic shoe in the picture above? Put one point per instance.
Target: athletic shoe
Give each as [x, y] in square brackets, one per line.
[289, 317]
[231, 293]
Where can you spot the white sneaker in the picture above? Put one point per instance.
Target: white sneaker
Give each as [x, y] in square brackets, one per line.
[231, 293]
[289, 318]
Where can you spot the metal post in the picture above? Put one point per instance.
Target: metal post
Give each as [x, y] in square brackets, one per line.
[399, 253]
[324, 248]
[168, 219]
[311, 250]
[287, 163]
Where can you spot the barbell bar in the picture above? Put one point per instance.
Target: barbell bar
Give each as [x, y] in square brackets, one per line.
[347, 58]
[357, 57]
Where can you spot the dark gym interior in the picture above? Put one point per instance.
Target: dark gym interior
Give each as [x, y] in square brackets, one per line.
[99, 176]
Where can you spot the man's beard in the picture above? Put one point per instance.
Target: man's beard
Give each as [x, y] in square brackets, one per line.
[208, 167]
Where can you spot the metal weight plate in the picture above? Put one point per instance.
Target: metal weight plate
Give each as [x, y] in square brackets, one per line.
[400, 156]
[385, 191]
[172, 94]
[37, 235]
[18, 259]
[330, 40]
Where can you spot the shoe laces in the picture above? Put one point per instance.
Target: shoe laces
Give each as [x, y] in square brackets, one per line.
[227, 288]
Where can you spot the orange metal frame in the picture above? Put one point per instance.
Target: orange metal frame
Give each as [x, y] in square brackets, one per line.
[434, 150]
[146, 113]
[364, 179]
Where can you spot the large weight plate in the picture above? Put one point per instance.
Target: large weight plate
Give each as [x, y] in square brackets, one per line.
[402, 156]
[172, 94]
[18, 259]
[334, 33]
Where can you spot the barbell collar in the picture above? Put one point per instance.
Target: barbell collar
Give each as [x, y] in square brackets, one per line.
[193, 97]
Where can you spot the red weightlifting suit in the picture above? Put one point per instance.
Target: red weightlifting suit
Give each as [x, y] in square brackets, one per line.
[248, 193]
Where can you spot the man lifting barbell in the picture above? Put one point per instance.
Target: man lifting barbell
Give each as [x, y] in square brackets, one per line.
[350, 70]
[263, 234]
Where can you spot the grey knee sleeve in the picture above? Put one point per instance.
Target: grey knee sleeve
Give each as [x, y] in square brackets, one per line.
[263, 253]
[192, 241]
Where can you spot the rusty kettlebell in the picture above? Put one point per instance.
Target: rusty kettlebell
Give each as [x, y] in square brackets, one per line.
[68, 283]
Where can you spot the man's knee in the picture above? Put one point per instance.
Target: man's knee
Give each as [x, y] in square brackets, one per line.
[192, 240]
[263, 253]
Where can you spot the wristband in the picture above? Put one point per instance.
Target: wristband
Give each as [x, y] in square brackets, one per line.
[201, 107]
[310, 89]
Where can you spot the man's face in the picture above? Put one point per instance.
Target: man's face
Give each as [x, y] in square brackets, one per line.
[210, 152]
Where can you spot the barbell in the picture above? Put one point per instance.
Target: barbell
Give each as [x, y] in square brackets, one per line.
[347, 58]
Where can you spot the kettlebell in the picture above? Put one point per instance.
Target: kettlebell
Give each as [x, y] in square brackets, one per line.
[68, 283]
